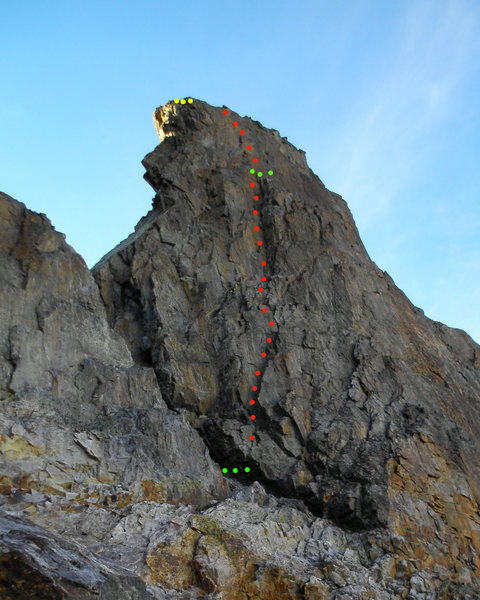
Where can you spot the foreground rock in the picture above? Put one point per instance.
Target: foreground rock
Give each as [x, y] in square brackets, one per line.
[37, 564]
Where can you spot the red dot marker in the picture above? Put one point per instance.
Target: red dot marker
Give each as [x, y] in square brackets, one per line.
[264, 263]
[264, 354]
[260, 289]
[254, 388]
[255, 160]
[252, 184]
[242, 131]
[257, 228]
[249, 147]
[264, 279]
[257, 373]
[264, 310]
[255, 197]
[269, 340]
[252, 401]
[235, 123]
[259, 242]
[253, 417]
[251, 438]
[225, 112]
[255, 212]
[271, 323]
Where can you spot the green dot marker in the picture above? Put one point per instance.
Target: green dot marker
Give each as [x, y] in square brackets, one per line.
[235, 470]
[252, 171]
[247, 469]
[260, 174]
[225, 470]
[270, 172]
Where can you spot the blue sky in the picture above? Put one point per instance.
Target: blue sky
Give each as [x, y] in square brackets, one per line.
[384, 97]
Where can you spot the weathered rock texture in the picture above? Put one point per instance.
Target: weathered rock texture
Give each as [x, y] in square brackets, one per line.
[117, 417]
[80, 424]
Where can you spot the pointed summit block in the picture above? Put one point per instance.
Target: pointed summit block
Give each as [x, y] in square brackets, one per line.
[364, 408]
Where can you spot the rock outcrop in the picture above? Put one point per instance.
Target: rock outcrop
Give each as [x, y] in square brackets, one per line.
[125, 394]
[80, 424]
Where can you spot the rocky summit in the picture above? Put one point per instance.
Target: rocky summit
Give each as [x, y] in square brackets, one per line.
[236, 402]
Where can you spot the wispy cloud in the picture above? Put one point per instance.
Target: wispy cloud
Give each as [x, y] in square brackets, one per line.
[393, 122]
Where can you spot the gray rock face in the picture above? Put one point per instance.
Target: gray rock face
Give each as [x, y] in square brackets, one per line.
[72, 399]
[123, 395]
[80, 423]
[365, 409]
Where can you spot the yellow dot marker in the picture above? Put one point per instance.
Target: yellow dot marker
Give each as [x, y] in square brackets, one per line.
[177, 100]
[190, 100]
[182, 101]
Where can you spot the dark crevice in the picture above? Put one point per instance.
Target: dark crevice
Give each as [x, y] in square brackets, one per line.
[20, 580]
[361, 517]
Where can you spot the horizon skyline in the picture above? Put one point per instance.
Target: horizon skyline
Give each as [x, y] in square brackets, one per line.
[381, 99]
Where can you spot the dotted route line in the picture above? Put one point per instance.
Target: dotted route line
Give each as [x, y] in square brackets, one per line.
[263, 263]
[263, 278]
